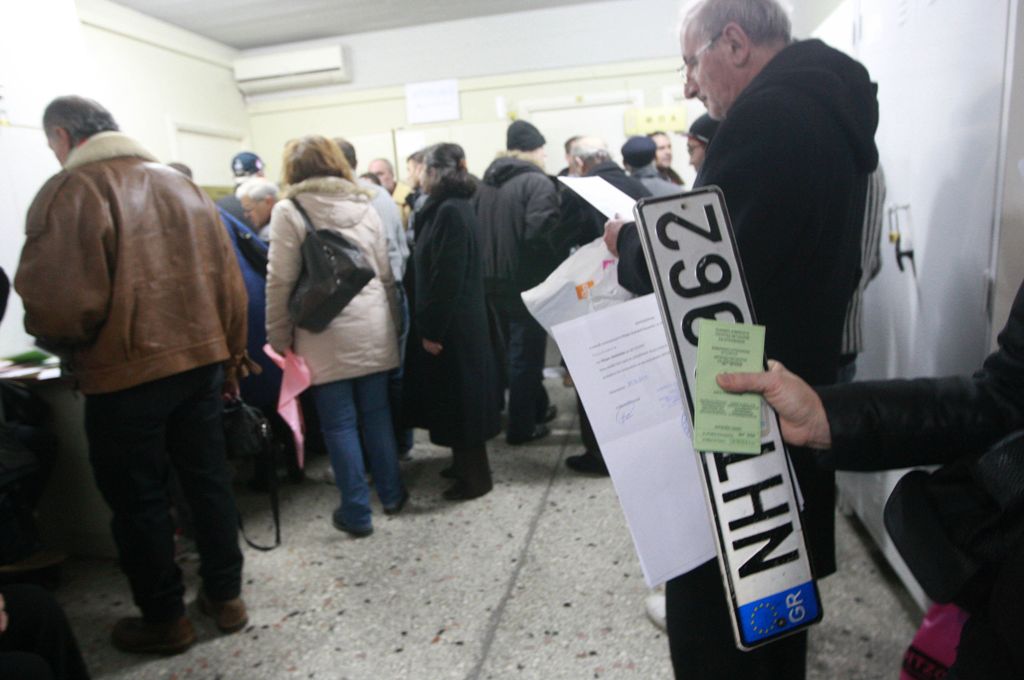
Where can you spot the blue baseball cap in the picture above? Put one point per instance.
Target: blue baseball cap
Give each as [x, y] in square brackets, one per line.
[246, 163]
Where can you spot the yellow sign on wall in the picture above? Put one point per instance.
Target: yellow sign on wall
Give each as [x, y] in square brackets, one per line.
[655, 118]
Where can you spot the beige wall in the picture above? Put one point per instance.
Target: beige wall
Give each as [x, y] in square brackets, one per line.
[370, 116]
[163, 84]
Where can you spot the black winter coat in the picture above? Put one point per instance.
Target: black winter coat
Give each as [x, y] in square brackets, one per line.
[902, 423]
[792, 159]
[581, 222]
[455, 394]
[517, 208]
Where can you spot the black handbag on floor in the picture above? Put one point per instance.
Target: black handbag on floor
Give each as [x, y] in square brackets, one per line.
[247, 435]
[956, 525]
[333, 272]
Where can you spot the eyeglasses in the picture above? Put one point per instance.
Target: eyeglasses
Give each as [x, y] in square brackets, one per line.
[691, 63]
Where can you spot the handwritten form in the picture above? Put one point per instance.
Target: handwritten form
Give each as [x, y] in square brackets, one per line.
[620, 362]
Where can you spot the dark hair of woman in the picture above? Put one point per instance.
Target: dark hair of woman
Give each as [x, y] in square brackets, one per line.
[313, 156]
[445, 174]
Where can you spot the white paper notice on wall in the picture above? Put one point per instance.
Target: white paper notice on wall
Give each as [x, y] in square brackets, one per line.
[432, 102]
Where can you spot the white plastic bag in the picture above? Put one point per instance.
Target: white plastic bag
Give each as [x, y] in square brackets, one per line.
[586, 281]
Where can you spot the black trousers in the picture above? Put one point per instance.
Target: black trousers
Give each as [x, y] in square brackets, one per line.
[38, 643]
[587, 431]
[525, 345]
[472, 468]
[701, 640]
[134, 436]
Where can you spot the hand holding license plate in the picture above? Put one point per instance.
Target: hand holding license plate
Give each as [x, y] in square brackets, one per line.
[695, 268]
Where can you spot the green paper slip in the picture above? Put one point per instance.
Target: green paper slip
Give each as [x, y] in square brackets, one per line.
[725, 422]
[33, 356]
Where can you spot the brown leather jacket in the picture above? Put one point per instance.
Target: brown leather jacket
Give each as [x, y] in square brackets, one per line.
[127, 272]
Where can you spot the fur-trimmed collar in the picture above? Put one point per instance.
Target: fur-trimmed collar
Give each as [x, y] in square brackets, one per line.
[102, 147]
[521, 155]
[326, 185]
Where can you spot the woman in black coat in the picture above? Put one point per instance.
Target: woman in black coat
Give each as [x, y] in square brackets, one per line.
[451, 375]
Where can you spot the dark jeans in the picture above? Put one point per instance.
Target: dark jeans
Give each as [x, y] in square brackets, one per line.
[38, 643]
[525, 344]
[701, 640]
[135, 435]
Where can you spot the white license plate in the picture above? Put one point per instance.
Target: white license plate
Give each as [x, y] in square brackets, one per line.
[695, 268]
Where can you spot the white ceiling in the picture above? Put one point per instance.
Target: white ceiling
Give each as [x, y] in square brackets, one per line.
[259, 23]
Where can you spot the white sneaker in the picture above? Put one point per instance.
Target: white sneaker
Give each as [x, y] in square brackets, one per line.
[655, 606]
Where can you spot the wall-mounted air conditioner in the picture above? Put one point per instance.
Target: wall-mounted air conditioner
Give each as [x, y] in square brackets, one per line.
[278, 71]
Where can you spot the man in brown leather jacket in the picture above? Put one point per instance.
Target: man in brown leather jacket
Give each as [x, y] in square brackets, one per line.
[127, 274]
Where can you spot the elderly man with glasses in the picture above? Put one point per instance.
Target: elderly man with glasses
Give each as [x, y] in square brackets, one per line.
[792, 156]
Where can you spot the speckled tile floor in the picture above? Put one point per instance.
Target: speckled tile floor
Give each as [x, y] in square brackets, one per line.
[537, 580]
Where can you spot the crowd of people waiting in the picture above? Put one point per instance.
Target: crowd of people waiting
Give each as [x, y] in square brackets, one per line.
[131, 275]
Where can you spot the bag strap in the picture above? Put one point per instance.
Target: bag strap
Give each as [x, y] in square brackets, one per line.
[305, 216]
[246, 245]
[310, 229]
[275, 506]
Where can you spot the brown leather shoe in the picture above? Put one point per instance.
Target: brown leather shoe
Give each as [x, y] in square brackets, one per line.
[138, 636]
[229, 615]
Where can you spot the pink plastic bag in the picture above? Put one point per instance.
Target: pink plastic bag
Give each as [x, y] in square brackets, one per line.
[295, 380]
[933, 649]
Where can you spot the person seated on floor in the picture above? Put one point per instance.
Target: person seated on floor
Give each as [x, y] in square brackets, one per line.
[36, 641]
[886, 424]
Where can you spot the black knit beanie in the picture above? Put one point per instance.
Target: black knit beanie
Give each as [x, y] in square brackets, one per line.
[523, 136]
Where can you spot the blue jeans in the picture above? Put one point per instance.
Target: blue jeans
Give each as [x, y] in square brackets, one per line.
[348, 408]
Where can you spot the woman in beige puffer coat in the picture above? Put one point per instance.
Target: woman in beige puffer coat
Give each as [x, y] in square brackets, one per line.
[350, 359]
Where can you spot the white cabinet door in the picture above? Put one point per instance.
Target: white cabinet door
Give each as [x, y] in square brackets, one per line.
[939, 65]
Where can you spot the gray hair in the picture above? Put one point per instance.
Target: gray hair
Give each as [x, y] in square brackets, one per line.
[80, 117]
[764, 21]
[590, 150]
[256, 189]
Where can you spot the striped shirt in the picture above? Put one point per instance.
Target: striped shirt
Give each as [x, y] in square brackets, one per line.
[870, 262]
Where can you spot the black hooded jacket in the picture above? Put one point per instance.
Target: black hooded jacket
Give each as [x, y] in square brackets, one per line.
[516, 207]
[581, 222]
[792, 159]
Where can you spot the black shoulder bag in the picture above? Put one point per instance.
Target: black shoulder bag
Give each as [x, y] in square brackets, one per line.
[956, 525]
[333, 272]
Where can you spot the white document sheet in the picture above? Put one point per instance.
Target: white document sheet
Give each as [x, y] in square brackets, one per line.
[619, 360]
[602, 195]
